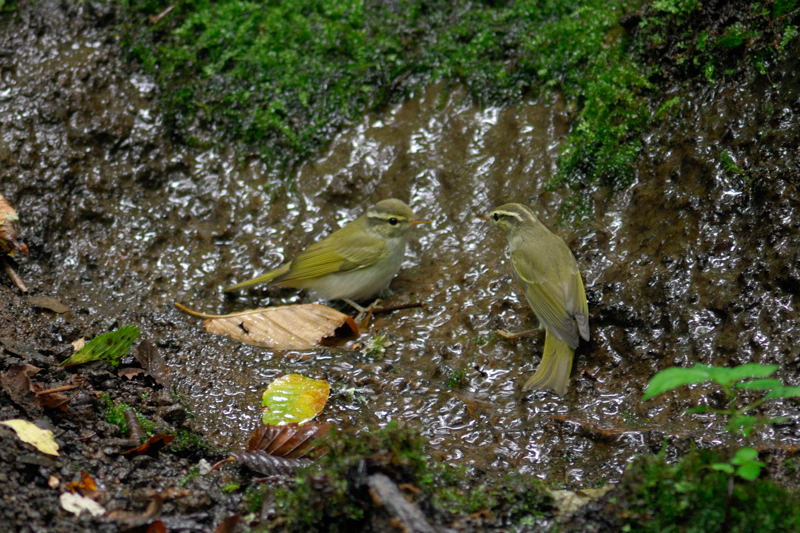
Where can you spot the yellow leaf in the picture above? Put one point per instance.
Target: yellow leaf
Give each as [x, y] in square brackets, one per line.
[29, 432]
[288, 327]
[294, 398]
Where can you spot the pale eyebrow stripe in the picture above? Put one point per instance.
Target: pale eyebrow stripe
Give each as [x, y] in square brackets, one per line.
[384, 216]
[510, 214]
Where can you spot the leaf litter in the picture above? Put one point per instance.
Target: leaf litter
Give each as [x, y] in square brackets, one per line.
[280, 450]
[288, 327]
[110, 347]
[294, 398]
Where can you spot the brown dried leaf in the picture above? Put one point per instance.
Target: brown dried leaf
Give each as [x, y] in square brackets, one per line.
[9, 233]
[129, 373]
[289, 327]
[134, 519]
[48, 302]
[152, 362]
[229, 525]
[269, 465]
[53, 400]
[16, 381]
[153, 444]
[289, 440]
[86, 486]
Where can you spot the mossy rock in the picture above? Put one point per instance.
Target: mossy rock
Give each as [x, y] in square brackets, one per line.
[689, 496]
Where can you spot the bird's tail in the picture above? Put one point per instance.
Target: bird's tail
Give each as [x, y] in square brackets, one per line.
[553, 371]
[263, 278]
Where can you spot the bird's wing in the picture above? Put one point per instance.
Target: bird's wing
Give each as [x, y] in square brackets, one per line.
[545, 294]
[339, 252]
[581, 307]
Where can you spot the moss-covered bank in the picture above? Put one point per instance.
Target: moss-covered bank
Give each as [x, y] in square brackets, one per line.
[283, 77]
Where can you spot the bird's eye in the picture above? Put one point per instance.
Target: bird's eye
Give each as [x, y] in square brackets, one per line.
[496, 217]
[393, 221]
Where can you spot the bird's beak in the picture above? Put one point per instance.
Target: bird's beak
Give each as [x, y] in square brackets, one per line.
[485, 219]
[415, 222]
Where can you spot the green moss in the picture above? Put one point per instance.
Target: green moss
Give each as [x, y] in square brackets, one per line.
[376, 346]
[114, 413]
[691, 497]
[187, 442]
[456, 378]
[515, 498]
[335, 494]
[686, 39]
[191, 475]
[230, 487]
[282, 77]
[254, 498]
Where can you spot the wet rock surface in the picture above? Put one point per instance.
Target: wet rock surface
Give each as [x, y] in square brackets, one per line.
[698, 262]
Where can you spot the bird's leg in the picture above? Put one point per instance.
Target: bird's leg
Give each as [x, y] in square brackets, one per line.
[363, 312]
[354, 305]
[515, 334]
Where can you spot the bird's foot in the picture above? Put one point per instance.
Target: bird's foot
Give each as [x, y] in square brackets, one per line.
[515, 334]
[364, 313]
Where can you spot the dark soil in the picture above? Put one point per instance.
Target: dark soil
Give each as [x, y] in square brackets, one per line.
[715, 277]
[57, 124]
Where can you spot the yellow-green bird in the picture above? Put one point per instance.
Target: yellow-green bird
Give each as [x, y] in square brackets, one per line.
[354, 262]
[553, 287]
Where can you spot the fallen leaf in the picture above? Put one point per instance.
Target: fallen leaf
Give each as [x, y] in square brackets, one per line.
[110, 346]
[269, 465]
[289, 440]
[136, 519]
[76, 504]
[152, 362]
[48, 302]
[153, 445]
[293, 398]
[16, 381]
[280, 450]
[229, 525]
[53, 400]
[288, 327]
[86, 485]
[42, 439]
[9, 233]
[130, 373]
[569, 501]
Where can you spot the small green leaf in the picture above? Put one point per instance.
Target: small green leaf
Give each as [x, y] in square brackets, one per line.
[294, 398]
[760, 384]
[777, 420]
[742, 424]
[750, 471]
[110, 346]
[725, 376]
[700, 409]
[722, 467]
[672, 378]
[744, 456]
[784, 391]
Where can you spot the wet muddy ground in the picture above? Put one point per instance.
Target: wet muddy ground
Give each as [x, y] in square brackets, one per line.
[696, 262]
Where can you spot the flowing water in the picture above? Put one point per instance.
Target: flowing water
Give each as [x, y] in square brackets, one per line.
[693, 263]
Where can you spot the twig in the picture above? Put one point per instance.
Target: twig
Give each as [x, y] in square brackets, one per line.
[405, 514]
[13, 275]
[62, 388]
[155, 19]
[134, 427]
[391, 308]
